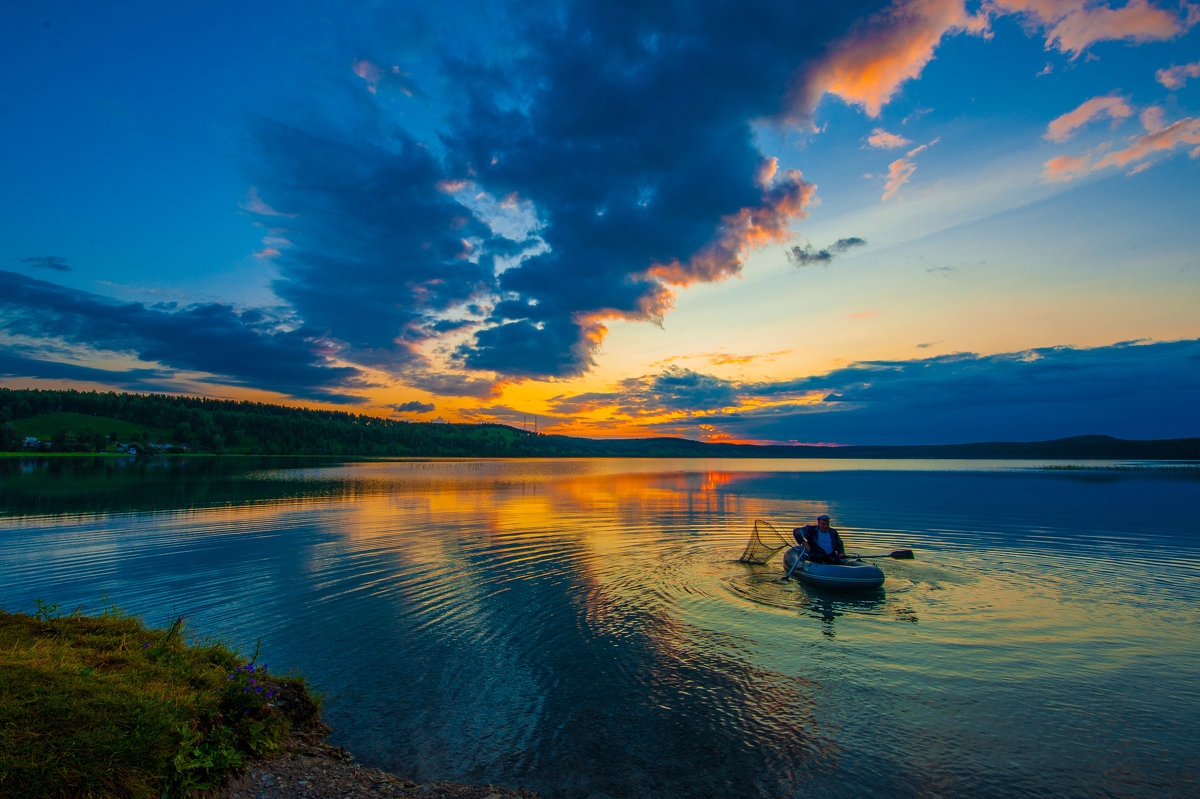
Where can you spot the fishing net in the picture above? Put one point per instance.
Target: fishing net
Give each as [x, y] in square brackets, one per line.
[765, 542]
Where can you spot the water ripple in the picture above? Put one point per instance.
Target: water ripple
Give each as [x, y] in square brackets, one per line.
[585, 629]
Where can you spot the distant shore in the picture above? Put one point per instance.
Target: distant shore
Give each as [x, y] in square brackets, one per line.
[59, 421]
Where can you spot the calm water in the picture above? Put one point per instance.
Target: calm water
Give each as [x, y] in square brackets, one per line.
[581, 628]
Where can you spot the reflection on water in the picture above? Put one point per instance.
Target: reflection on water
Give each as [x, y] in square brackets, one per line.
[582, 628]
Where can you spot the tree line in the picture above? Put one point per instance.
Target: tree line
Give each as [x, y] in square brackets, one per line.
[199, 424]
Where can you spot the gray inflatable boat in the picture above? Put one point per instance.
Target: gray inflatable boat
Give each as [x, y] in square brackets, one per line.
[850, 574]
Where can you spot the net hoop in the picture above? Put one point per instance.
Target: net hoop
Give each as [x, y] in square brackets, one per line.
[765, 542]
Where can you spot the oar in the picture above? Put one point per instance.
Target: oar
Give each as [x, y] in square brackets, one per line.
[794, 565]
[899, 554]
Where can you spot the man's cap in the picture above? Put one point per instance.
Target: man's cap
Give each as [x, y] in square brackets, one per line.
[822, 516]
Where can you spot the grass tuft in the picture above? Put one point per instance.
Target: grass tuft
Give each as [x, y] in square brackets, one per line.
[103, 706]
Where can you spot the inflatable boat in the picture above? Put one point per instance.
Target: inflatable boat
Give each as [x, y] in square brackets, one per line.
[853, 574]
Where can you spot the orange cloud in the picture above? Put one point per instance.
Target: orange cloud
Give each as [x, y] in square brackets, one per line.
[1112, 105]
[880, 139]
[654, 304]
[1074, 25]
[868, 68]
[766, 172]
[785, 199]
[452, 185]
[1173, 77]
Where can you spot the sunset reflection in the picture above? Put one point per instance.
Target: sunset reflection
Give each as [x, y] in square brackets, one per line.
[520, 620]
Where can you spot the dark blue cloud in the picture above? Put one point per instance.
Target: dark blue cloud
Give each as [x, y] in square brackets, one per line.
[378, 250]
[626, 127]
[17, 365]
[451, 385]
[633, 141]
[673, 390]
[414, 407]
[804, 256]
[239, 347]
[1128, 390]
[54, 262]
[526, 348]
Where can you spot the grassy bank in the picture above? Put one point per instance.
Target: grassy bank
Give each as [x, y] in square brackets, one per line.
[103, 706]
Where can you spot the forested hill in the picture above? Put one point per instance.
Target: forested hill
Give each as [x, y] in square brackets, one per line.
[75, 421]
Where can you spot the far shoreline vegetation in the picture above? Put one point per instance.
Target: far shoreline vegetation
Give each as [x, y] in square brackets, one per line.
[51, 421]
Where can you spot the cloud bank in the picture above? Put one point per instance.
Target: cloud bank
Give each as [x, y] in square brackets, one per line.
[626, 146]
[1072, 26]
[53, 262]
[1130, 389]
[238, 347]
[599, 163]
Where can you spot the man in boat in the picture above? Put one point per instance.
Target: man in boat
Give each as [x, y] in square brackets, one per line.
[821, 543]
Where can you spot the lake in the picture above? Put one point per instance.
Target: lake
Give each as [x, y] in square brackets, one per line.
[582, 628]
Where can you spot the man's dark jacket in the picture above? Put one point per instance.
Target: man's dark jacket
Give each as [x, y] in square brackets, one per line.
[809, 533]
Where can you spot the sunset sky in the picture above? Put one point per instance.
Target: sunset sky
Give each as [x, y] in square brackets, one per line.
[810, 222]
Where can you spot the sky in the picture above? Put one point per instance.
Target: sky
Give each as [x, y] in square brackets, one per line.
[924, 221]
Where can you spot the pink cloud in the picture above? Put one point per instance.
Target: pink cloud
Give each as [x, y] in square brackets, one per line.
[369, 72]
[1185, 131]
[868, 68]
[1152, 119]
[1111, 105]
[1073, 25]
[255, 205]
[374, 75]
[901, 171]
[1174, 76]
[880, 139]
[1065, 167]
[1147, 146]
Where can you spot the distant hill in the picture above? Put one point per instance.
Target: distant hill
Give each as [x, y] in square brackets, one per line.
[90, 421]
[46, 425]
[1078, 447]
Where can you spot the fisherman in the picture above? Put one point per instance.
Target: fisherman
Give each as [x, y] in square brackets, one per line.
[821, 543]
